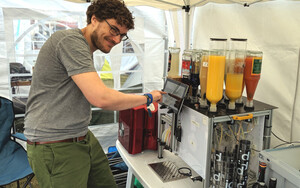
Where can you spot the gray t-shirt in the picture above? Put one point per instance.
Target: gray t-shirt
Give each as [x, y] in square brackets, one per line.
[56, 108]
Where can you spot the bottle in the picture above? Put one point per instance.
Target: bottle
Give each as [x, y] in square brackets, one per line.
[194, 75]
[243, 160]
[252, 73]
[262, 171]
[186, 66]
[203, 78]
[186, 70]
[272, 183]
[261, 174]
[262, 185]
[235, 70]
[174, 62]
[216, 71]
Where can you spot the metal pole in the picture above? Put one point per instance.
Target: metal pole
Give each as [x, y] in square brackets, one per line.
[187, 26]
[267, 131]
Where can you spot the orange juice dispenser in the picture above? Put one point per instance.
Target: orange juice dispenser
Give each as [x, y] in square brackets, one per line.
[235, 71]
[173, 66]
[203, 78]
[215, 73]
[252, 73]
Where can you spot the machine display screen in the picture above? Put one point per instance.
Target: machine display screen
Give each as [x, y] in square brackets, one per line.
[176, 92]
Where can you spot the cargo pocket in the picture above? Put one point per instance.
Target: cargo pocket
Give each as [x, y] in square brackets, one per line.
[48, 156]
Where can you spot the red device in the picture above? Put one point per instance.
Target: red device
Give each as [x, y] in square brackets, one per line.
[137, 130]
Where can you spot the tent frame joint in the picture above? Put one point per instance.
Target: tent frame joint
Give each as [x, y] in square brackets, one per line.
[186, 8]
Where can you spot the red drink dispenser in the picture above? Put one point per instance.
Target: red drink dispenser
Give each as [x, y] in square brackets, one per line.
[252, 73]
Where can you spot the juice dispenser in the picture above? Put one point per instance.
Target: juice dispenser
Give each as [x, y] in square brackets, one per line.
[226, 70]
[203, 78]
[186, 69]
[215, 73]
[173, 66]
[235, 70]
[186, 66]
[194, 76]
[252, 74]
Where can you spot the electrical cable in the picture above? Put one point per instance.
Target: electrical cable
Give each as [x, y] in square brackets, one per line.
[163, 135]
[280, 145]
[255, 150]
[279, 138]
[169, 138]
[232, 132]
[253, 125]
[285, 142]
[166, 135]
[221, 137]
[216, 137]
[227, 134]
[242, 129]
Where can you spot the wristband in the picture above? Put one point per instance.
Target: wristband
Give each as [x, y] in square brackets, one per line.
[149, 101]
[149, 98]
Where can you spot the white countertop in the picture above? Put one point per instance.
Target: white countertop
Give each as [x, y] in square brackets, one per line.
[138, 166]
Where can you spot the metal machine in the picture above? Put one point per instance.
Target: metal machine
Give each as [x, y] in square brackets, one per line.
[222, 147]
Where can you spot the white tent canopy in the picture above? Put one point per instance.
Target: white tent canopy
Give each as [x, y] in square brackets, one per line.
[271, 27]
[178, 4]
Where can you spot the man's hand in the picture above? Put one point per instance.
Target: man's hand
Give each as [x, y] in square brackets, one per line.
[157, 95]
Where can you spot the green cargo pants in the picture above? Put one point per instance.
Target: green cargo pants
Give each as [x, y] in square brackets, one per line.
[71, 164]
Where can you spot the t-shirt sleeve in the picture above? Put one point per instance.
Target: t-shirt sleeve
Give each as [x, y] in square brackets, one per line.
[74, 54]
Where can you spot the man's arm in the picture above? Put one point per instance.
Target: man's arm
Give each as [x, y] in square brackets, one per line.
[103, 97]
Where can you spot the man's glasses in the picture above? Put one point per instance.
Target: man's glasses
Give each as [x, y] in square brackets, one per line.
[115, 32]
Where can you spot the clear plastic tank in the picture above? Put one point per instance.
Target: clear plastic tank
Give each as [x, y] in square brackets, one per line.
[215, 73]
[203, 78]
[235, 70]
[194, 76]
[173, 67]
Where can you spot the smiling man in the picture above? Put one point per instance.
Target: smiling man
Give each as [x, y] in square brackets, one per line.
[61, 150]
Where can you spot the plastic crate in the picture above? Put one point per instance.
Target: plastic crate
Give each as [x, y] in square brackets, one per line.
[283, 164]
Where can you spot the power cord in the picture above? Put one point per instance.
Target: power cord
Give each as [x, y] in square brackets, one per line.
[285, 142]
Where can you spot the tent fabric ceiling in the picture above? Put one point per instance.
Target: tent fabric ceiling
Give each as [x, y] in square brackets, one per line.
[177, 4]
[45, 5]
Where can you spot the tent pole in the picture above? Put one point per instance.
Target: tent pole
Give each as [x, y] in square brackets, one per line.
[187, 33]
[187, 24]
[166, 56]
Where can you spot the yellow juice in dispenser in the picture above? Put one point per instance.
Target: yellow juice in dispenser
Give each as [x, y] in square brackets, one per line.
[235, 71]
[234, 85]
[174, 62]
[203, 77]
[215, 79]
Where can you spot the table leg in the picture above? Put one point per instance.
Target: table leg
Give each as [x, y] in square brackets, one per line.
[130, 179]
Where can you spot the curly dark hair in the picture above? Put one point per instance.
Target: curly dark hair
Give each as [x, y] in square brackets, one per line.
[106, 9]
